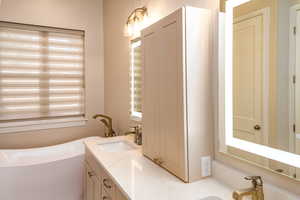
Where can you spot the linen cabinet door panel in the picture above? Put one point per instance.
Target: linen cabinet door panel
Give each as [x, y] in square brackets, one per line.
[171, 95]
[151, 120]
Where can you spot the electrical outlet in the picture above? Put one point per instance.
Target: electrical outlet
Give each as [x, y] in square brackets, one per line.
[206, 166]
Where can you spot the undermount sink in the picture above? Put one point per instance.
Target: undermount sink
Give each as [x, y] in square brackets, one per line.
[119, 146]
[211, 198]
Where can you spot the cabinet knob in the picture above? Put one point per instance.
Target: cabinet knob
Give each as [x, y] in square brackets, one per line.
[105, 198]
[257, 127]
[105, 183]
[91, 174]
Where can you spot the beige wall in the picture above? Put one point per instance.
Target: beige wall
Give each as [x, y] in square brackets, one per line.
[117, 50]
[75, 14]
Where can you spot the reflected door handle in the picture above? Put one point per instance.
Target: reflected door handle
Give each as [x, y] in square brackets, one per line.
[257, 127]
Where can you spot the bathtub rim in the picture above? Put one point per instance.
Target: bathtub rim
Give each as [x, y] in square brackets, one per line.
[66, 156]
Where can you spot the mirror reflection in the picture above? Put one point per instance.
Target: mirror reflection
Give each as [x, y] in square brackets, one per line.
[266, 78]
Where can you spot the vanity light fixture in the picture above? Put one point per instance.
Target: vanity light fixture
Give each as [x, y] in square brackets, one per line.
[230, 140]
[136, 21]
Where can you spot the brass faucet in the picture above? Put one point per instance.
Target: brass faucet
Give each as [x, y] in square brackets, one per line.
[137, 134]
[107, 121]
[256, 192]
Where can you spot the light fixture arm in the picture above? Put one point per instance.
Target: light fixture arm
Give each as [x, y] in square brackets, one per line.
[136, 14]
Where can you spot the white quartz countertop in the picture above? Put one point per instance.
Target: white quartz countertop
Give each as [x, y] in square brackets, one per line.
[141, 179]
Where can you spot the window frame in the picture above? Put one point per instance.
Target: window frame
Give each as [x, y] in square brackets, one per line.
[23, 125]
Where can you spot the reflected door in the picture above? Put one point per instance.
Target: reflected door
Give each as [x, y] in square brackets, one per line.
[248, 79]
[248, 83]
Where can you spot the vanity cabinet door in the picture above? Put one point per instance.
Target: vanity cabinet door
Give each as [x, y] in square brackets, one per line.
[88, 186]
[92, 185]
[97, 188]
[107, 184]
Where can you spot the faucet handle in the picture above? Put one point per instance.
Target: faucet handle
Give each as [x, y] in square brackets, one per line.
[256, 180]
[137, 128]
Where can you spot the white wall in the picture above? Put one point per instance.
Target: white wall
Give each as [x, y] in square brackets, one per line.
[76, 14]
[117, 49]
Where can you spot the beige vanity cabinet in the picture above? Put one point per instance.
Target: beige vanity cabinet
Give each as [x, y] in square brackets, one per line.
[177, 100]
[98, 185]
[119, 195]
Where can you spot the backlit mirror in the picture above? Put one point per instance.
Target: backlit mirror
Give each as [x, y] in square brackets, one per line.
[260, 120]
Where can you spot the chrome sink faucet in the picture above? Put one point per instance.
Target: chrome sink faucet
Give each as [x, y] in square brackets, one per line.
[107, 121]
[256, 192]
[137, 132]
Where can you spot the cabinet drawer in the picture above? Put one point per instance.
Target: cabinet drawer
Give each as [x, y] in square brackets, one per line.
[98, 183]
[108, 185]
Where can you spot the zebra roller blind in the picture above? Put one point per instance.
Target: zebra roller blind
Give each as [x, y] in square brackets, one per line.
[136, 79]
[41, 72]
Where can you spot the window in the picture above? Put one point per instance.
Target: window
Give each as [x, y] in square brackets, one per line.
[136, 80]
[41, 77]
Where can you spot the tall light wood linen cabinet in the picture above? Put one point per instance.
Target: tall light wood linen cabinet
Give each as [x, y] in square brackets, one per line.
[177, 92]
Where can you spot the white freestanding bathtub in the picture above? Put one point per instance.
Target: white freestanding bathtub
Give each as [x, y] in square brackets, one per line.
[47, 173]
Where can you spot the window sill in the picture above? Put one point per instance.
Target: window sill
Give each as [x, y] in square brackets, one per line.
[136, 119]
[14, 127]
